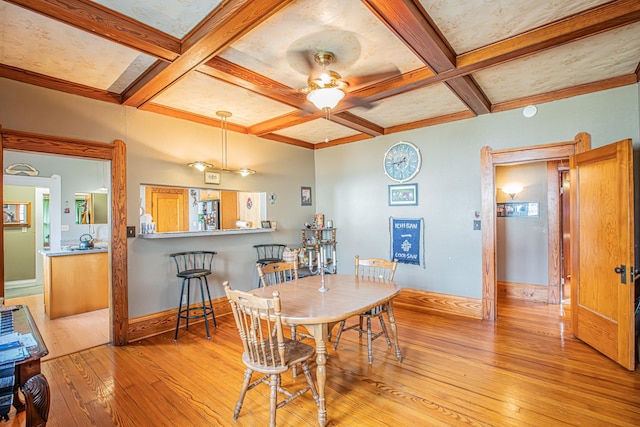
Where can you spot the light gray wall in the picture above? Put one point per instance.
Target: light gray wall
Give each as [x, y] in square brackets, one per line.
[352, 187]
[522, 242]
[348, 182]
[76, 176]
[20, 242]
[158, 150]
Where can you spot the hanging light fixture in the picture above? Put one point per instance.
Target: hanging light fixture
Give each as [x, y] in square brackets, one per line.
[325, 98]
[200, 165]
[103, 188]
[224, 116]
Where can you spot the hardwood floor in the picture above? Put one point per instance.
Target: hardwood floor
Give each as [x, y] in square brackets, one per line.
[69, 334]
[524, 370]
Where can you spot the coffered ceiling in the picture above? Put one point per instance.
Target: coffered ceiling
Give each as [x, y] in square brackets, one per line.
[409, 63]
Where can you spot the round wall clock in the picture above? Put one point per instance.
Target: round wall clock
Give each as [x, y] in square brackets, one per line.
[402, 161]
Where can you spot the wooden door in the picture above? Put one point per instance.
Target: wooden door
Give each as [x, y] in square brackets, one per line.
[228, 209]
[169, 208]
[602, 230]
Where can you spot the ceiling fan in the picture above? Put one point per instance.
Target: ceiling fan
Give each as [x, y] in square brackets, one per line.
[326, 88]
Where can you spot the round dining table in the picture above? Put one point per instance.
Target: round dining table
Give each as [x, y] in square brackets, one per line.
[318, 302]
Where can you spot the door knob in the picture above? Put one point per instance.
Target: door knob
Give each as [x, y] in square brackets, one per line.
[622, 271]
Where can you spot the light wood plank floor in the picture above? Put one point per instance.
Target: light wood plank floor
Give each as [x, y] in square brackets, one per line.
[70, 334]
[524, 370]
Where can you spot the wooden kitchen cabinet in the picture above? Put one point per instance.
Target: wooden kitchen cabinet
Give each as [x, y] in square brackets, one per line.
[75, 284]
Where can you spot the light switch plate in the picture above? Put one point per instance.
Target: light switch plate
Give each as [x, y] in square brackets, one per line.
[64, 228]
[131, 231]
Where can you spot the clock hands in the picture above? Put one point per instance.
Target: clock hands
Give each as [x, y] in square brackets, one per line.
[404, 159]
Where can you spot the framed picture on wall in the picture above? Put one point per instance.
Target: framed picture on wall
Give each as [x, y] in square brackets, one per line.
[403, 195]
[305, 196]
[211, 177]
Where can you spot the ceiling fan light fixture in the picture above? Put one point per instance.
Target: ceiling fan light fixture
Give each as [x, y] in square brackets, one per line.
[324, 98]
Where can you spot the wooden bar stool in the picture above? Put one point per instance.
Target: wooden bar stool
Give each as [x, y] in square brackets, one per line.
[194, 265]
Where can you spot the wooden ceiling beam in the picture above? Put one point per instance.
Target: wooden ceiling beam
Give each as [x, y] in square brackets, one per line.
[342, 141]
[36, 79]
[569, 92]
[588, 23]
[287, 140]
[282, 122]
[233, 20]
[236, 75]
[411, 24]
[192, 117]
[594, 21]
[354, 122]
[468, 91]
[95, 19]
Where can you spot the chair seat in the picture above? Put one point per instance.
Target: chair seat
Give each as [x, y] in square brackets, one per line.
[191, 274]
[268, 260]
[295, 352]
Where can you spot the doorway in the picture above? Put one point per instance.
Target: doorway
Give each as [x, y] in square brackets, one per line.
[116, 153]
[489, 159]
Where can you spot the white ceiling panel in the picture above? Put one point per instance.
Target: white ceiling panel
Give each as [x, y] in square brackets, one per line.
[317, 131]
[470, 24]
[200, 94]
[361, 44]
[253, 44]
[174, 17]
[588, 60]
[35, 43]
[412, 106]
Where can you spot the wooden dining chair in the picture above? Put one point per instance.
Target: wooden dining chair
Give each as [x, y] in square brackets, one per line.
[373, 269]
[266, 349]
[280, 272]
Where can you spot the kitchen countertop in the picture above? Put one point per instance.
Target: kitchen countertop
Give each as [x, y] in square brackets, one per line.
[168, 235]
[73, 250]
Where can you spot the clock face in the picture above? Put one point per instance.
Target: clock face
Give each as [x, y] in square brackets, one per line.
[402, 161]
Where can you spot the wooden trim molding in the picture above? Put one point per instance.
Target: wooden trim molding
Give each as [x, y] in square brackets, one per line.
[425, 301]
[165, 321]
[553, 232]
[489, 159]
[117, 154]
[412, 299]
[524, 291]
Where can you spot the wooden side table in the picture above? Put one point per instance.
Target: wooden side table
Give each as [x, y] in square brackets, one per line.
[27, 372]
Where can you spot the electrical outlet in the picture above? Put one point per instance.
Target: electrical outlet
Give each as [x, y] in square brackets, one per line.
[64, 228]
[476, 224]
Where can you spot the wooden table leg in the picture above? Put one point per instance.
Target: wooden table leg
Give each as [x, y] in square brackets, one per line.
[320, 334]
[38, 400]
[394, 330]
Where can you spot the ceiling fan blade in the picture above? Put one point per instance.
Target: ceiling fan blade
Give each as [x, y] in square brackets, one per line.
[352, 101]
[368, 79]
[303, 60]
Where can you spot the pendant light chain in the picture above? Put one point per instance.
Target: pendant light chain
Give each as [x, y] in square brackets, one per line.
[224, 116]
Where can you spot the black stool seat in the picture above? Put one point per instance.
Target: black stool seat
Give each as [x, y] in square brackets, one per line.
[192, 274]
[194, 265]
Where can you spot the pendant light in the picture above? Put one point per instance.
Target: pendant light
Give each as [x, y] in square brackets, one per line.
[200, 165]
[224, 116]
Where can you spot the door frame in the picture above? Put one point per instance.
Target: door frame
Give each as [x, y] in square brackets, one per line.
[116, 153]
[489, 159]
